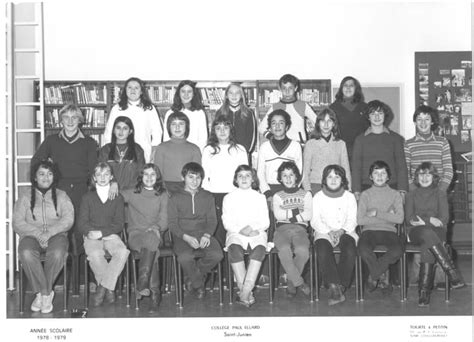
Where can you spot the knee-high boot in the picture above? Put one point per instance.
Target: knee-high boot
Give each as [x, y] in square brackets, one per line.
[246, 297]
[155, 286]
[444, 259]
[146, 261]
[425, 283]
[239, 271]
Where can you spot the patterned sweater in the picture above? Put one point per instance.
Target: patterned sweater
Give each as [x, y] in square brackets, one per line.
[434, 149]
[293, 206]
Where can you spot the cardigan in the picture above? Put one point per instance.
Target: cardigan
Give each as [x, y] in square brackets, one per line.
[76, 160]
[269, 160]
[426, 203]
[389, 206]
[331, 214]
[370, 147]
[318, 154]
[146, 210]
[298, 111]
[125, 172]
[47, 218]
[107, 217]
[219, 169]
[172, 155]
[192, 214]
[434, 149]
[198, 127]
[147, 124]
[241, 208]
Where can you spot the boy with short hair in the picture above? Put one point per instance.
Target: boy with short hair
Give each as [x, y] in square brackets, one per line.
[426, 146]
[101, 220]
[380, 209]
[299, 111]
[280, 148]
[192, 221]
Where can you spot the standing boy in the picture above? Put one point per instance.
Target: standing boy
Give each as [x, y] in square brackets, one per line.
[192, 221]
[299, 111]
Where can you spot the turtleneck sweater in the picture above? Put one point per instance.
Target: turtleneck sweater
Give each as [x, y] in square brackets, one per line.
[426, 203]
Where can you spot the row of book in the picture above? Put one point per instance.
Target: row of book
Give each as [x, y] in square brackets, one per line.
[76, 93]
[93, 117]
[313, 97]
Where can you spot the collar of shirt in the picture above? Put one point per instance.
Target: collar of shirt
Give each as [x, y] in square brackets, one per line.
[62, 135]
[419, 137]
[369, 131]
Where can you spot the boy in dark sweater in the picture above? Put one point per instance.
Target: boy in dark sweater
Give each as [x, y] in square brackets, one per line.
[192, 221]
[380, 209]
[101, 220]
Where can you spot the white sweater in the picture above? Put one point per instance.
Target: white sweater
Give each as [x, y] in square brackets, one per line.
[197, 127]
[241, 208]
[219, 169]
[269, 161]
[330, 214]
[147, 124]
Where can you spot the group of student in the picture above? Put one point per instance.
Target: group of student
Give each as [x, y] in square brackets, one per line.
[351, 171]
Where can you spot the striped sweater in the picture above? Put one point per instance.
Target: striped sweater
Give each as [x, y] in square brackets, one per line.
[434, 149]
[293, 206]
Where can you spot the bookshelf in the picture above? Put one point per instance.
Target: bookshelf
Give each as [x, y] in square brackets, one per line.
[96, 98]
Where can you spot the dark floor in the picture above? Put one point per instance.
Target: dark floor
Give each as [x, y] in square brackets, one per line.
[375, 304]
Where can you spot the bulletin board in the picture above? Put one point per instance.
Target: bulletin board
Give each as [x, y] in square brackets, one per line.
[443, 80]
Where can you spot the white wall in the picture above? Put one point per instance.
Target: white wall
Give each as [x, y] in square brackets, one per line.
[247, 39]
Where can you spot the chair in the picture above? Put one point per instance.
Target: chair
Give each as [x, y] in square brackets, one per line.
[166, 252]
[127, 277]
[380, 249]
[411, 248]
[21, 285]
[357, 280]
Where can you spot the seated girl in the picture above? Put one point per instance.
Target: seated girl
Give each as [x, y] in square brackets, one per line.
[427, 214]
[101, 220]
[42, 220]
[245, 217]
[292, 209]
[334, 222]
[148, 219]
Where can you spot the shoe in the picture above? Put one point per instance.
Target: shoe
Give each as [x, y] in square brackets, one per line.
[290, 289]
[446, 262]
[335, 295]
[305, 289]
[47, 303]
[200, 292]
[98, 297]
[188, 286]
[146, 262]
[441, 286]
[109, 296]
[155, 301]
[425, 283]
[372, 284]
[92, 287]
[36, 305]
[384, 283]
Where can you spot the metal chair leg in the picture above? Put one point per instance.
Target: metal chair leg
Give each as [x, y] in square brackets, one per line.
[65, 288]
[219, 276]
[357, 279]
[316, 277]
[230, 281]
[270, 274]
[134, 272]
[311, 276]
[21, 288]
[86, 283]
[177, 280]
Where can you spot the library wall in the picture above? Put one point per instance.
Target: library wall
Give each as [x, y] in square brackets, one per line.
[374, 42]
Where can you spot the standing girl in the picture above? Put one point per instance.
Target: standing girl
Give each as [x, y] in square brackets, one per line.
[245, 217]
[350, 108]
[135, 104]
[427, 214]
[124, 155]
[148, 219]
[187, 100]
[334, 222]
[42, 221]
[242, 117]
[220, 158]
[325, 149]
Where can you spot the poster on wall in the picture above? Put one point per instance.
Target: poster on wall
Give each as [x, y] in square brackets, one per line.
[444, 81]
